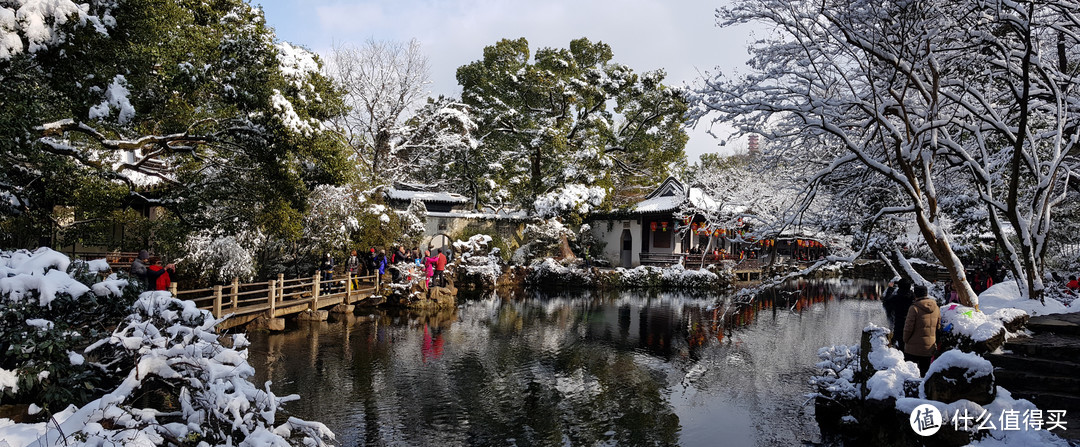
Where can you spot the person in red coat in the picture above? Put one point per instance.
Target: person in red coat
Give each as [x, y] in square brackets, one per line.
[158, 277]
[440, 266]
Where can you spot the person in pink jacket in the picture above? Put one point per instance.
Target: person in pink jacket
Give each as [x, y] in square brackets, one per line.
[429, 267]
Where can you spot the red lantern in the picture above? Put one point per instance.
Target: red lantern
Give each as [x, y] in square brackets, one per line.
[716, 233]
[663, 225]
[694, 226]
[652, 226]
[686, 220]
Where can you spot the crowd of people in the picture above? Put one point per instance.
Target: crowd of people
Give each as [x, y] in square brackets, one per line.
[402, 264]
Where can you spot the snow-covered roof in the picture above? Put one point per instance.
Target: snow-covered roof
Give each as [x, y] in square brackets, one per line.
[507, 215]
[426, 196]
[671, 194]
[658, 204]
[701, 200]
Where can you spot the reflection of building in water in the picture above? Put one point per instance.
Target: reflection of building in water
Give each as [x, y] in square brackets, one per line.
[658, 328]
[669, 328]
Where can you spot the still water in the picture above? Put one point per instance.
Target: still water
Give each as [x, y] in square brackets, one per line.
[627, 368]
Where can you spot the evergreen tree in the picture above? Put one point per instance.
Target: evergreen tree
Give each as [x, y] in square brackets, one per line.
[571, 116]
[189, 105]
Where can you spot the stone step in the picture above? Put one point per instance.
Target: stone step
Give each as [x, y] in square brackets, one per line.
[1047, 346]
[1054, 401]
[1033, 382]
[1016, 362]
[1058, 324]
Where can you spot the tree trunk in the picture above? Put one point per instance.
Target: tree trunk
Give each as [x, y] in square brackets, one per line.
[945, 254]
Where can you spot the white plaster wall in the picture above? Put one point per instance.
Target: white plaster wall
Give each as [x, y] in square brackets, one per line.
[613, 239]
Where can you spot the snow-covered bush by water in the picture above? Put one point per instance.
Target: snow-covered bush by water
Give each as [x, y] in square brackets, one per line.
[477, 262]
[551, 273]
[162, 376]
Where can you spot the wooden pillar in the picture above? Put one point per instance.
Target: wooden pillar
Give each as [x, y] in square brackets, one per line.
[348, 287]
[315, 292]
[270, 297]
[235, 292]
[172, 289]
[281, 286]
[217, 301]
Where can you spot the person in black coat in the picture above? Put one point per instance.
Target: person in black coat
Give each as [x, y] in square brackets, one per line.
[896, 309]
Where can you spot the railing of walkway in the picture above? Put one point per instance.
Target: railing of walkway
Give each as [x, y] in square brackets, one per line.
[257, 297]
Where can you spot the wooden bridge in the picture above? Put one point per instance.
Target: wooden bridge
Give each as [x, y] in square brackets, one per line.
[280, 297]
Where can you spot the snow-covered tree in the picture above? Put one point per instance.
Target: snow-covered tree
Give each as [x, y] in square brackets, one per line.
[155, 102]
[383, 83]
[571, 116]
[906, 95]
[442, 146]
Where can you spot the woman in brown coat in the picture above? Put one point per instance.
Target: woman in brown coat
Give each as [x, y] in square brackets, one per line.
[920, 329]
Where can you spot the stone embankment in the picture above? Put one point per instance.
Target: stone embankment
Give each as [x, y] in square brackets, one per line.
[1045, 368]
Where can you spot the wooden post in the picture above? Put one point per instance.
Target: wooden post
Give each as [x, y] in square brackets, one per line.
[315, 292]
[377, 282]
[348, 287]
[172, 289]
[281, 286]
[217, 301]
[235, 292]
[270, 297]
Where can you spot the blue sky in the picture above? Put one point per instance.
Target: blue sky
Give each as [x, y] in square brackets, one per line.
[678, 36]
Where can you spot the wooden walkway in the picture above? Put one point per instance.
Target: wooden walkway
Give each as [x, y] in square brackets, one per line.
[243, 303]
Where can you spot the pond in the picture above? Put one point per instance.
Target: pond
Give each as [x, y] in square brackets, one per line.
[626, 368]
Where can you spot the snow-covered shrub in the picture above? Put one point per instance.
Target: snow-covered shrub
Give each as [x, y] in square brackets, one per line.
[217, 259]
[549, 273]
[674, 276]
[180, 383]
[572, 198]
[478, 263]
[158, 372]
[413, 223]
[836, 376]
[332, 217]
[50, 309]
[542, 239]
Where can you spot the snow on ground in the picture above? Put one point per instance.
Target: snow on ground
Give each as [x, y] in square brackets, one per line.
[999, 304]
[1007, 295]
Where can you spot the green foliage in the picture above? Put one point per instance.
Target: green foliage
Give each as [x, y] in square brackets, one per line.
[210, 70]
[549, 121]
[46, 375]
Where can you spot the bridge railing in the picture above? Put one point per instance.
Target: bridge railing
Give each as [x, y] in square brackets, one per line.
[247, 298]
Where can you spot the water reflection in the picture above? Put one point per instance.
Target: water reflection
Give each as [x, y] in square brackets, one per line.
[631, 368]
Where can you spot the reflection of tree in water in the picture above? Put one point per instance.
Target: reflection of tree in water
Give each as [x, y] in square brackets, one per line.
[568, 368]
